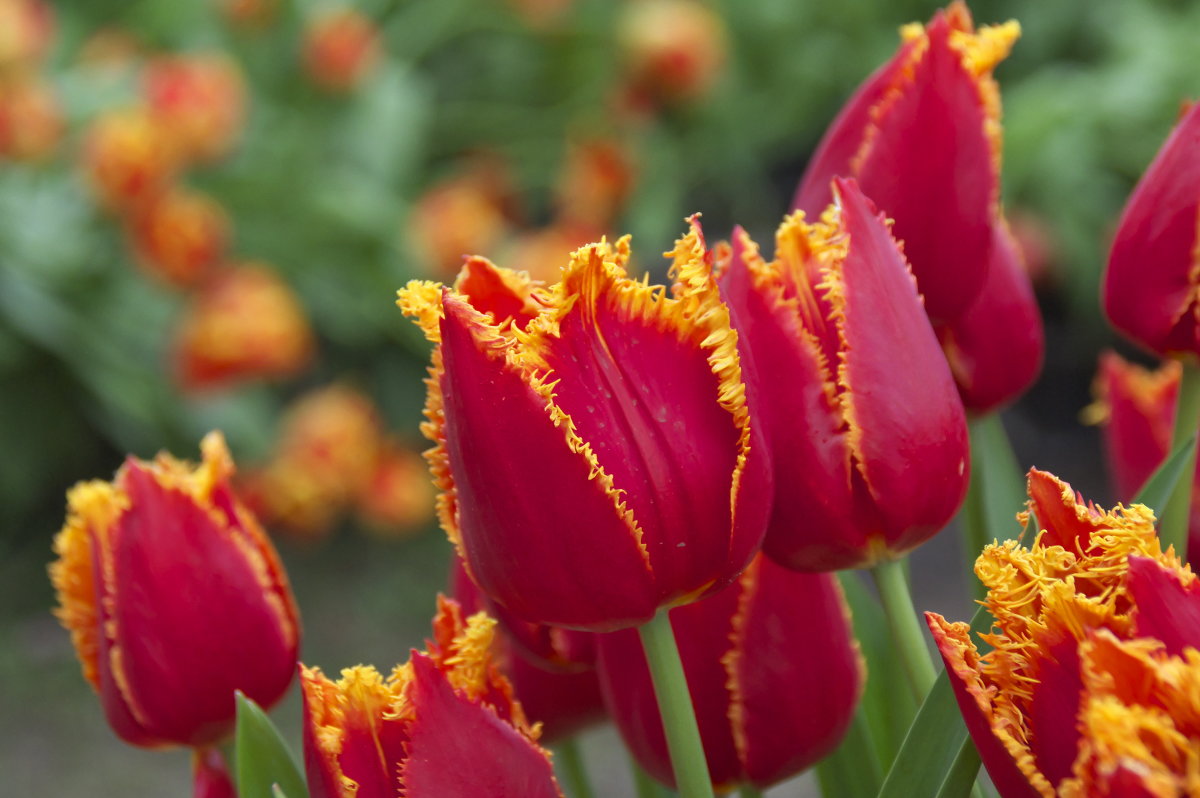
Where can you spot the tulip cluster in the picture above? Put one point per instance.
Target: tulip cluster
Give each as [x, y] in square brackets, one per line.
[1090, 688]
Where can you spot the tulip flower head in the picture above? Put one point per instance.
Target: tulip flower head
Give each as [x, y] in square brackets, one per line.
[179, 235]
[1135, 408]
[593, 444]
[1092, 687]
[867, 431]
[26, 33]
[174, 599]
[200, 98]
[922, 137]
[31, 120]
[673, 50]
[129, 157]
[443, 725]
[1151, 284]
[341, 48]
[773, 671]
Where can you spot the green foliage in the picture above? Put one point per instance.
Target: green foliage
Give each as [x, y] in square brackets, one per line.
[263, 763]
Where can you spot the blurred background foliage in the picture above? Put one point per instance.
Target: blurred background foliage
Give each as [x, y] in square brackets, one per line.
[425, 129]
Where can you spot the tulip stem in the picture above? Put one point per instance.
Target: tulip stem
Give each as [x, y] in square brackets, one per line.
[645, 786]
[1173, 529]
[750, 791]
[572, 769]
[897, 602]
[675, 707]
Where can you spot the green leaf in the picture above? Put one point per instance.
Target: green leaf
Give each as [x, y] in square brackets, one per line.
[852, 769]
[963, 769]
[930, 760]
[1162, 482]
[264, 764]
[1000, 478]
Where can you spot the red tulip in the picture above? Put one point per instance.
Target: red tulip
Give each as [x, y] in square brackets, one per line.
[1090, 690]
[552, 669]
[211, 776]
[201, 98]
[1151, 282]
[592, 440]
[922, 137]
[129, 158]
[443, 725]
[867, 430]
[995, 349]
[772, 668]
[341, 49]
[174, 599]
[179, 235]
[1136, 410]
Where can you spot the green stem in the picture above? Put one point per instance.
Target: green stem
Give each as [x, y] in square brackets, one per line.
[571, 759]
[906, 630]
[750, 791]
[675, 707]
[645, 786]
[1173, 529]
[974, 524]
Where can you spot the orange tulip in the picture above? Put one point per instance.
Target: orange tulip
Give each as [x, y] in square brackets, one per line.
[200, 98]
[129, 157]
[674, 50]
[341, 48]
[179, 235]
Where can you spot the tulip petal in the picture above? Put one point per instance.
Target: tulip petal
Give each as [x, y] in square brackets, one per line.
[185, 640]
[1136, 408]
[901, 404]
[639, 388]
[503, 293]
[564, 702]
[1152, 284]
[1065, 519]
[995, 349]
[999, 752]
[459, 748]
[549, 555]
[210, 777]
[1166, 608]
[1053, 706]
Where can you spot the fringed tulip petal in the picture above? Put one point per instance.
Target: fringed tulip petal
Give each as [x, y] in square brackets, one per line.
[995, 349]
[445, 740]
[1168, 607]
[497, 424]
[1152, 284]
[772, 670]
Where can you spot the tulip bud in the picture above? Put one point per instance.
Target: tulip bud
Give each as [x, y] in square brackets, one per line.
[129, 157]
[868, 434]
[1090, 686]
[443, 724]
[179, 235]
[200, 98]
[245, 323]
[674, 50]
[995, 349]
[594, 183]
[1151, 281]
[922, 137]
[341, 47]
[26, 31]
[1135, 408]
[31, 122]
[772, 668]
[592, 440]
[174, 598]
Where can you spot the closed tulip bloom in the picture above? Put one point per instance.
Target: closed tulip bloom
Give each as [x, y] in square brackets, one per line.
[129, 158]
[1135, 408]
[1150, 285]
[180, 236]
[995, 349]
[341, 49]
[443, 725]
[174, 599]
[201, 98]
[772, 668]
[922, 137]
[592, 440]
[867, 431]
[1092, 687]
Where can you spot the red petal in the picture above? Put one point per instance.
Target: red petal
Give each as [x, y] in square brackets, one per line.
[194, 621]
[642, 393]
[813, 524]
[461, 749]
[211, 777]
[908, 430]
[1141, 413]
[1067, 522]
[1054, 705]
[564, 702]
[974, 701]
[1164, 607]
[541, 536]
[1150, 287]
[844, 138]
[797, 671]
[503, 293]
[995, 349]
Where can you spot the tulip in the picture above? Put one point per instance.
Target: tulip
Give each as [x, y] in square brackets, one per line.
[772, 668]
[129, 157]
[592, 440]
[1090, 689]
[211, 776]
[179, 235]
[922, 137]
[673, 50]
[443, 725]
[1135, 408]
[245, 323]
[594, 183]
[174, 598]
[552, 670]
[26, 33]
[200, 98]
[866, 426]
[995, 349]
[397, 498]
[460, 215]
[31, 120]
[341, 48]
[1150, 284]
